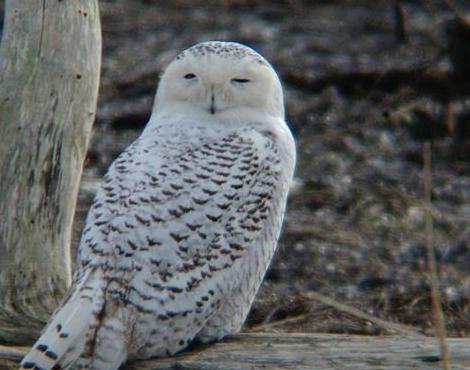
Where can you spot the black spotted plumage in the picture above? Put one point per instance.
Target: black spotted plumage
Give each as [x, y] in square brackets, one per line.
[185, 223]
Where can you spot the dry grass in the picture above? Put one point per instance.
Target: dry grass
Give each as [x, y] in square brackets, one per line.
[438, 314]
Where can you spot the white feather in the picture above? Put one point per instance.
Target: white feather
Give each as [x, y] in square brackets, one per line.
[67, 329]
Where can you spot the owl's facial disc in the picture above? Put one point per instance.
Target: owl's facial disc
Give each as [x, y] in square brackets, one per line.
[215, 83]
[216, 80]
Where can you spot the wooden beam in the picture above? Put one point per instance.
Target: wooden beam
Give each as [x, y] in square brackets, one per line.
[300, 351]
[50, 57]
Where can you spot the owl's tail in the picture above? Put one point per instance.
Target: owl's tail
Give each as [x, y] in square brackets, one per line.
[68, 331]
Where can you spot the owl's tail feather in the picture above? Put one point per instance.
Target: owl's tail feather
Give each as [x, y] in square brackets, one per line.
[64, 338]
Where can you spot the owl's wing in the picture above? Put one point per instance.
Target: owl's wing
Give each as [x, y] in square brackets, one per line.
[175, 234]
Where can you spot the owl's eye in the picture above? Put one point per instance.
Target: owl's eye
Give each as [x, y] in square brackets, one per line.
[240, 80]
[189, 76]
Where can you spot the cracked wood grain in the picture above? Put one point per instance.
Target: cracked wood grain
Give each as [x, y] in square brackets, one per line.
[49, 74]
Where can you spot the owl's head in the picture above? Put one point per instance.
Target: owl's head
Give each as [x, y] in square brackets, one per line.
[218, 79]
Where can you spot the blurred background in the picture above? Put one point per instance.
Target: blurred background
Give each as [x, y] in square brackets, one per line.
[367, 83]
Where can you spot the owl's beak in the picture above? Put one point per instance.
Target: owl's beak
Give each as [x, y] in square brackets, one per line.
[212, 107]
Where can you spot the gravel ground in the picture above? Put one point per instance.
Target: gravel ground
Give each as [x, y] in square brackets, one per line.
[367, 84]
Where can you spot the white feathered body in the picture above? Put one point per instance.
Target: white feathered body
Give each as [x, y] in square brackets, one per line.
[177, 240]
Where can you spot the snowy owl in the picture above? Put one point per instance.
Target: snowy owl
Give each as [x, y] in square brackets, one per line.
[186, 221]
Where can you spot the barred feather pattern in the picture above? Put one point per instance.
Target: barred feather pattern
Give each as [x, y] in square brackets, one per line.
[177, 240]
[181, 232]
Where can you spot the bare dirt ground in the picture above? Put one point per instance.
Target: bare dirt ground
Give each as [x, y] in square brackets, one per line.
[367, 83]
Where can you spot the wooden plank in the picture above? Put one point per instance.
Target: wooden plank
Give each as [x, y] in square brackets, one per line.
[302, 351]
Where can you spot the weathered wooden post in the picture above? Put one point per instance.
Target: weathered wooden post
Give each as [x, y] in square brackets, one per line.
[49, 75]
